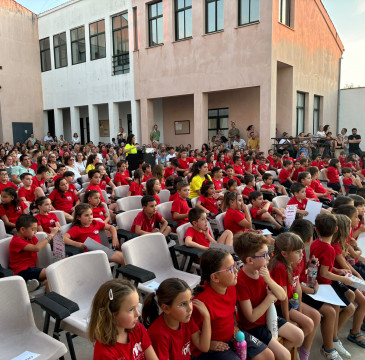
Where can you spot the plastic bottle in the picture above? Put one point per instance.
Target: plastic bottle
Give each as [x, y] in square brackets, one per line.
[312, 273]
[294, 301]
[350, 260]
[240, 345]
[272, 321]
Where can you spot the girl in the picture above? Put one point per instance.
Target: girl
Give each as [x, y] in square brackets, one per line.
[173, 188]
[122, 175]
[157, 173]
[236, 220]
[47, 221]
[221, 161]
[83, 227]
[332, 174]
[11, 208]
[92, 160]
[288, 254]
[207, 200]
[63, 199]
[210, 162]
[199, 174]
[232, 185]
[136, 188]
[114, 326]
[80, 162]
[172, 329]
[153, 188]
[92, 198]
[218, 292]
[192, 156]
[105, 179]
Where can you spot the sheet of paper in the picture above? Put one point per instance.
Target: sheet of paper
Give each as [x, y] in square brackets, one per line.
[326, 294]
[313, 208]
[58, 246]
[290, 213]
[357, 283]
[153, 285]
[26, 355]
[266, 232]
[361, 242]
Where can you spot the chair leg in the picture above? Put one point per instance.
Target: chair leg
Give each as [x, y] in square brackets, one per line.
[71, 346]
[46, 323]
[174, 258]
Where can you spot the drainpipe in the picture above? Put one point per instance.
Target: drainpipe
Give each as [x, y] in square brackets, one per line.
[339, 93]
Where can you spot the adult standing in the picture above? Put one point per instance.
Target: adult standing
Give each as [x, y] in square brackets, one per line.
[131, 147]
[121, 133]
[155, 134]
[250, 129]
[345, 140]
[32, 139]
[354, 143]
[233, 132]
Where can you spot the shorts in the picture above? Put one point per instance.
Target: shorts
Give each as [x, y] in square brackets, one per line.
[279, 311]
[340, 290]
[263, 333]
[311, 302]
[360, 268]
[286, 184]
[30, 273]
[334, 186]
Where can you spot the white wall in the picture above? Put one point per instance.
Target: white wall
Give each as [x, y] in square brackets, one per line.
[352, 110]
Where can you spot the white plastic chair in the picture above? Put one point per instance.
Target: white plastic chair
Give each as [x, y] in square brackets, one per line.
[258, 185]
[60, 216]
[165, 210]
[194, 201]
[121, 191]
[3, 233]
[84, 178]
[220, 221]
[130, 203]
[105, 196]
[85, 185]
[280, 201]
[18, 332]
[342, 187]
[164, 195]
[125, 220]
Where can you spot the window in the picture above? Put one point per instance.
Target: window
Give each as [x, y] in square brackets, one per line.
[155, 24]
[78, 51]
[97, 40]
[248, 11]
[214, 16]
[300, 111]
[45, 54]
[285, 12]
[218, 120]
[60, 50]
[120, 44]
[183, 19]
[316, 112]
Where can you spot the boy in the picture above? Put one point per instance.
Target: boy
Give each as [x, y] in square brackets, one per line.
[286, 156]
[285, 172]
[95, 178]
[249, 180]
[70, 178]
[40, 179]
[305, 179]
[270, 156]
[184, 161]
[342, 158]
[324, 163]
[199, 235]
[250, 168]
[60, 170]
[230, 175]
[146, 168]
[256, 291]
[23, 250]
[4, 183]
[299, 198]
[180, 208]
[276, 162]
[350, 183]
[270, 187]
[262, 168]
[171, 169]
[29, 192]
[217, 174]
[317, 187]
[238, 168]
[147, 220]
[162, 158]
[171, 154]
[122, 176]
[304, 163]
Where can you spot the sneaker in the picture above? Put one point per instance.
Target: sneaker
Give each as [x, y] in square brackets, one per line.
[32, 285]
[333, 355]
[341, 350]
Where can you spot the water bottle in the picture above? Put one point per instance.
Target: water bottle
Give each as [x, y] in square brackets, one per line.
[312, 273]
[240, 345]
[272, 321]
[350, 260]
[294, 301]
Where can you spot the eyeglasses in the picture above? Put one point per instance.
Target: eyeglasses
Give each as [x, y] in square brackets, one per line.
[265, 256]
[231, 269]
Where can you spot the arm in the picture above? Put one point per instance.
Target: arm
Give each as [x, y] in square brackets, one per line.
[276, 289]
[247, 215]
[138, 230]
[285, 306]
[150, 354]
[190, 243]
[164, 224]
[201, 339]
[7, 222]
[14, 179]
[178, 216]
[37, 247]
[113, 231]
[264, 209]
[200, 206]
[331, 276]
[68, 241]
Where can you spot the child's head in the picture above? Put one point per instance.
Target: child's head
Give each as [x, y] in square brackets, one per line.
[297, 164]
[270, 152]
[256, 199]
[207, 188]
[249, 180]
[359, 203]
[94, 177]
[158, 171]
[61, 168]
[92, 197]
[138, 175]
[149, 205]
[304, 162]
[267, 178]
[198, 218]
[83, 215]
[9, 195]
[174, 163]
[42, 170]
[237, 160]
[146, 167]
[122, 166]
[298, 190]
[346, 172]
[153, 186]
[304, 229]
[43, 204]
[3, 175]
[217, 172]
[232, 185]
[183, 189]
[232, 200]
[252, 249]
[343, 230]
[342, 200]
[334, 163]
[26, 179]
[305, 178]
[314, 171]
[287, 164]
[349, 211]
[69, 176]
[361, 191]
[115, 305]
[229, 170]
[26, 226]
[61, 185]
[326, 225]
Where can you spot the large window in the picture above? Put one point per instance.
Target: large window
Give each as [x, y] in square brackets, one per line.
[60, 50]
[45, 54]
[285, 8]
[218, 120]
[248, 11]
[316, 112]
[78, 51]
[155, 23]
[214, 18]
[120, 44]
[183, 19]
[300, 112]
[97, 40]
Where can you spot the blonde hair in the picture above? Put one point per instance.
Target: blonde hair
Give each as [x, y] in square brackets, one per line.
[343, 232]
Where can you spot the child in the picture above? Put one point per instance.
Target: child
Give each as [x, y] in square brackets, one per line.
[299, 198]
[70, 178]
[147, 172]
[11, 208]
[270, 187]
[23, 249]
[275, 164]
[172, 330]
[47, 221]
[149, 220]
[29, 192]
[61, 168]
[92, 197]
[288, 254]
[63, 199]
[218, 292]
[217, 174]
[230, 175]
[332, 175]
[83, 227]
[122, 176]
[114, 326]
[350, 183]
[92, 160]
[221, 162]
[41, 177]
[295, 170]
[162, 160]
[232, 185]
[342, 158]
[208, 200]
[157, 173]
[4, 183]
[359, 203]
[316, 161]
[270, 156]
[199, 235]
[256, 291]
[136, 188]
[305, 179]
[249, 180]
[317, 186]
[171, 153]
[285, 172]
[171, 169]
[324, 163]
[286, 156]
[105, 179]
[262, 210]
[153, 188]
[236, 220]
[262, 168]
[180, 208]
[171, 184]
[250, 168]
[95, 179]
[184, 162]
[238, 168]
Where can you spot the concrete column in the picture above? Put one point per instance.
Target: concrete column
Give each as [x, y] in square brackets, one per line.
[200, 119]
[113, 120]
[147, 120]
[94, 123]
[45, 123]
[308, 116]
[75, 120]
[58, 122]
[136, 118]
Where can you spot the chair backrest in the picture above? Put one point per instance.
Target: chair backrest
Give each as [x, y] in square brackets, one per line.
[121, 191]
[125, 220]
[79, 277]
[321, 174]
[45, 255]
[194, 201]
[3, 233]
[85, 185]
[342, 187]
[65, 228]
[220, 221]
[272, 173]
[165, 210]
[181, 231]
[240, 188]
[258, 185]
[103, 236]
[130, 203]
[148, 252]
[280, 201]
[4, 252]
[105, 195]
[82, 197]
[164, 195]
[60, 216]
[105, 206]
[84, 178]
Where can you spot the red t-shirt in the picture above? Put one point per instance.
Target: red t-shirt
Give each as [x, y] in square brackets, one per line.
[145, 223]
[221, 165]
[157, 198]
[147, 177]
[210, 203]
[99, 212]
[262, 169]
[295, 174]
[253, 168]
[169, 172]
[267, 187]
[342, 160]
[350, 165]
[309, 193]
[63, 202]
[173, 196]
[57, 177]
[11, 212]
[326, 256]
[323, 164]
[254, 290]
[333, 175]
[138, 343]
[20, 259]
[288, 158]
[232, 219]
[38, 183]
[180, 206]
[28, 194]
[318, 188]
[347, 181]
[338, 251]
[8, 184]
[301, 205]
[217, 184]
[284, 175]
[254, 212]
[184, 164]
[104, 182]
[238, 169]
[119, 179]
[47, 222]
[169, 343]
[246, 191]
[72, 188]
[226, 179]
[198, 237]
[302, 267]
[81, 233]
[136, 189]
[276, 165]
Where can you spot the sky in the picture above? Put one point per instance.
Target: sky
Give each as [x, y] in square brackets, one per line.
[348, 16]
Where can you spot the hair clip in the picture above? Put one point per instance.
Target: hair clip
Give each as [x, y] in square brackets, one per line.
[111, 295]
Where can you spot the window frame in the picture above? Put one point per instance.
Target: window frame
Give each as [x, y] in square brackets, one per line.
[77, 41]
[151, 19]
[240, 23]
[55, 47]
[45, 51]
[121, 59]
[177, 11]
[289, 6]
[97, 36]
[299, 108]
[218, 117]
[316, 111]
[216, 16]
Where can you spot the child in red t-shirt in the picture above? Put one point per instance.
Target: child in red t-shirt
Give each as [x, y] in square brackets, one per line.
[184, 162]
[4, 183]
[153, 188]
[270, 156]
[208, 199]
[117, 333]
[122, 176]
[317, 187]
[41, 177]
[92, 197]
[238, 167]
[136, 188]
[342, 158]
[332, 174]
[217, 174]
[221, 162]
[262, 167]
[268, 186]
[305, 179]
[173, 330]
[250, 168]
[105, 179]
[180, 208]
[350, 180]
[250, 182]
[29, 192]
[95, 180]
[295, 170]
[276, 164]
[47, 221]
[147, 172]
[285, 174]
[299, 198]
[237, 218]
[70, 178]
[230, 175]
[171, 169]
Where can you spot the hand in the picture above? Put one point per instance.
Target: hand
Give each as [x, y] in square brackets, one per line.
[264, 273]
[218, 346]
[272, 297]
[155, 230]
[115, 243]
[317, 261]
[201, 307]
[347, 281]
[344, 272]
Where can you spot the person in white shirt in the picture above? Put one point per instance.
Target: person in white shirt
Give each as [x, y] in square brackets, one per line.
[75, 139]
[241, 143]
[48, 137]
